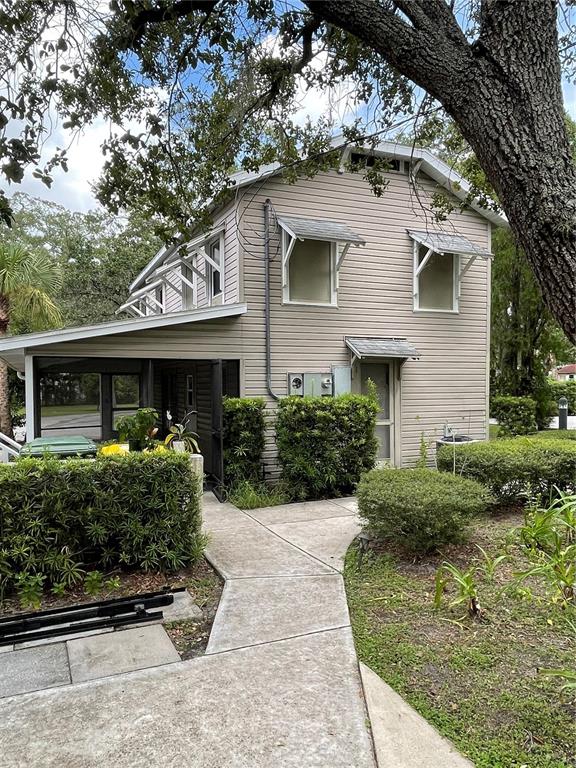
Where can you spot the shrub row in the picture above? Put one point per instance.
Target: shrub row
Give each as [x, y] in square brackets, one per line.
[515, 415]
[420, 509]
[58, 518]
[558, 389]
[325, 443]
[243, 428]
[511, 469]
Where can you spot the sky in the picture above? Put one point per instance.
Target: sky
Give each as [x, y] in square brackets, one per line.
[73, 189]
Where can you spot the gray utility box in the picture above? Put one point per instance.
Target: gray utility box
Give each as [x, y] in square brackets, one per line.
[315, 384]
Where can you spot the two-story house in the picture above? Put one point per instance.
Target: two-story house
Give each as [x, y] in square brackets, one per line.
[305, 288]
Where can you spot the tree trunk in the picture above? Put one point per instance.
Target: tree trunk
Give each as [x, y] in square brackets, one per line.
[504, 93]
[5, 415]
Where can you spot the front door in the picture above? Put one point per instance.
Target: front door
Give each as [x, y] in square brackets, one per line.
[381, 374]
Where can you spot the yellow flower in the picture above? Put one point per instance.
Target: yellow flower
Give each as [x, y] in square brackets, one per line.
[115, 449]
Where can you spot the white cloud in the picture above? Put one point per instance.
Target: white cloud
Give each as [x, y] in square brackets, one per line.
[85, 161]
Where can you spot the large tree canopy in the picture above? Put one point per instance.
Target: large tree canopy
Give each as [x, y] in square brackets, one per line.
[195, 88]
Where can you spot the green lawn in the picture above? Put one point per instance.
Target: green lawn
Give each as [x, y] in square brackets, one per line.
[545, 434]
[69, 410]
[476, 681]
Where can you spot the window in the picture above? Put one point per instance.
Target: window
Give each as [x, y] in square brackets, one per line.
[187, 287]
[435, 280]
[311, 271]
[214, 280]
[190, 393]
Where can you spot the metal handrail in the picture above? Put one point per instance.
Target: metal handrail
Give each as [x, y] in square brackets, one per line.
[9, 446]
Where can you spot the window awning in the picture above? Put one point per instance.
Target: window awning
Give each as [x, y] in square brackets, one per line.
[370, 346]
[312, 229]
[444, 242]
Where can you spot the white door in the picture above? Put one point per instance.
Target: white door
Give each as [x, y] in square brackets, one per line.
[382, 376]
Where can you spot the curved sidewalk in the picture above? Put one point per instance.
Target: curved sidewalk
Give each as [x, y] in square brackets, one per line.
[279, 686]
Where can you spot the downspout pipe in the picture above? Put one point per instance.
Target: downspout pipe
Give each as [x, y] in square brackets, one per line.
[267, 211]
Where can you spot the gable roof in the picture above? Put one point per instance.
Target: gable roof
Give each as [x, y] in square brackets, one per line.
[431, 165]
[570, 368]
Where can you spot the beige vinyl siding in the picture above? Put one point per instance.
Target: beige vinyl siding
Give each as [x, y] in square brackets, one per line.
[172, 299]
[375, 298]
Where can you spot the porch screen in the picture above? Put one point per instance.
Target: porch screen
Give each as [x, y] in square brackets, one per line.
[70, 403]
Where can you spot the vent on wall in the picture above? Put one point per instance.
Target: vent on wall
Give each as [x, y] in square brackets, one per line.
[369, 161]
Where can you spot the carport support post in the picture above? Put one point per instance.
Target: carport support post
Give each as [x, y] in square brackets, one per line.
[31, 398]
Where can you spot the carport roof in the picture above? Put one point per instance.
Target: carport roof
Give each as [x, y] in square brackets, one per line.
[14, 348]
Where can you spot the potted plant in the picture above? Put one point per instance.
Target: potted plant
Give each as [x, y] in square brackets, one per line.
[180, 438]
[138, 430]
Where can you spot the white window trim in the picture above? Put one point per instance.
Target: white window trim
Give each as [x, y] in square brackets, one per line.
[288, 243]
[210, 266]
[457, 274]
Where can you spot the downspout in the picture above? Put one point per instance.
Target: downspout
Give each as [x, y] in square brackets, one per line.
[267, 207]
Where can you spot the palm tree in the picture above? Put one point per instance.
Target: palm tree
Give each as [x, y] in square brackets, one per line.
[27, 281]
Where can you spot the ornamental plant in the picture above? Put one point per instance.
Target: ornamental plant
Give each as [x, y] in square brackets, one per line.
[60, 519]
[420, 509]
[325, 444]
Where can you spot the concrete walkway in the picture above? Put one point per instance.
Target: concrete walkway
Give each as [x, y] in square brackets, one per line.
[279, 687]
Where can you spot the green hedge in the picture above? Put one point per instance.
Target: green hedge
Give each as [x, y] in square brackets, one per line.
[325, 443]
[61, 518]
[243, 439]
[421, 509]
[515, 415]
[558, 389]
[512, 469]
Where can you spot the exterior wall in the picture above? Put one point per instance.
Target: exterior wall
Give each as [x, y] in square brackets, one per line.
[448, 384]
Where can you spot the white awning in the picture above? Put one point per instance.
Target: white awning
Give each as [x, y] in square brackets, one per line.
[445, 242]
[312, 229]
[371, 346]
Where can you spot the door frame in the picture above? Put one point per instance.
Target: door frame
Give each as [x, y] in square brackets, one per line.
[395, 399]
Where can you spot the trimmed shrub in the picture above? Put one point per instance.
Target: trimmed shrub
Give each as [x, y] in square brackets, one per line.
[325, 443]
[420, 509]
[558, 389]
[555, 434]
[516, 468]
[515, 415]
[61, 518]
[243, 439]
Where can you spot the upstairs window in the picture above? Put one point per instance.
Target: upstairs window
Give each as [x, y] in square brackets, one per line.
[214, 272]
[312, 254]
[438, 269]
[311, 273]
[436, 281]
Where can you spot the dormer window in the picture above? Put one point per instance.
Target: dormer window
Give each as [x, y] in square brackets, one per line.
[438, 271]
[312, 254]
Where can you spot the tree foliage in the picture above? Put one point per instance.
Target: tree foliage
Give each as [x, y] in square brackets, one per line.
[99, 255]
[195, 88]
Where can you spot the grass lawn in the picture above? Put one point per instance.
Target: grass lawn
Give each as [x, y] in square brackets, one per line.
[545, 434]
[69, 410]
[476, 681]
